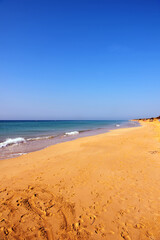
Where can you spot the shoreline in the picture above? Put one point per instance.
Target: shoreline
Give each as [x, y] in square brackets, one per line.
[105, 186]
[38, 143]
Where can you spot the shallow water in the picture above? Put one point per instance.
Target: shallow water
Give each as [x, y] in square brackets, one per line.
[20, 137]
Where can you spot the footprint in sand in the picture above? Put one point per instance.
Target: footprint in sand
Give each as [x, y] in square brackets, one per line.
[125, 236]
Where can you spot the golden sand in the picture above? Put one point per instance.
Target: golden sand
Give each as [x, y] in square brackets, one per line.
[99, 187]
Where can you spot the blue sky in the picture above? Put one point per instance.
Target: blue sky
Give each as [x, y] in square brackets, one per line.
[83, 59]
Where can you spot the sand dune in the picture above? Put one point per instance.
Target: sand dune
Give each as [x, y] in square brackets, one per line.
[100, 187]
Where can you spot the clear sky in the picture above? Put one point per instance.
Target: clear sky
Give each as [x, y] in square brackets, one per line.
[79, 59]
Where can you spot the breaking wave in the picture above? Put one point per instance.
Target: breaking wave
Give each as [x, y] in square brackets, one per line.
[40, 138]
[71, 133]
[11, 141]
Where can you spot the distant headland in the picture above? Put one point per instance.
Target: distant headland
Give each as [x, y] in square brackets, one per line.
[148, 119]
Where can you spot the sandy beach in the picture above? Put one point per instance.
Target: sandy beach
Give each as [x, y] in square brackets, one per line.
[100, 187]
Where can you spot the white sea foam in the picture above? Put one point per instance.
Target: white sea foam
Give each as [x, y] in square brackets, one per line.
[117, 125]
[18, 154]
[39, 138]
[71, 133]
[11, 141]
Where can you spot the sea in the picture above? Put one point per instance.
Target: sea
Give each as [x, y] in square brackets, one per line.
[21, 137]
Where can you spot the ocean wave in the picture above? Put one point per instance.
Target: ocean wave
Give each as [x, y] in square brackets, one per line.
[40, 138]
[11, 141]
[71, 133]
[117, 125]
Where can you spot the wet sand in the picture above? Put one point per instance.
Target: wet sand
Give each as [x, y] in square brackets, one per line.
[33, 144]
[99, 187]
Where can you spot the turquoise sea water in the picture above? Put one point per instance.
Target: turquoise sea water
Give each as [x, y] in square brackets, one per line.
[18, 137]
[31, 129]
